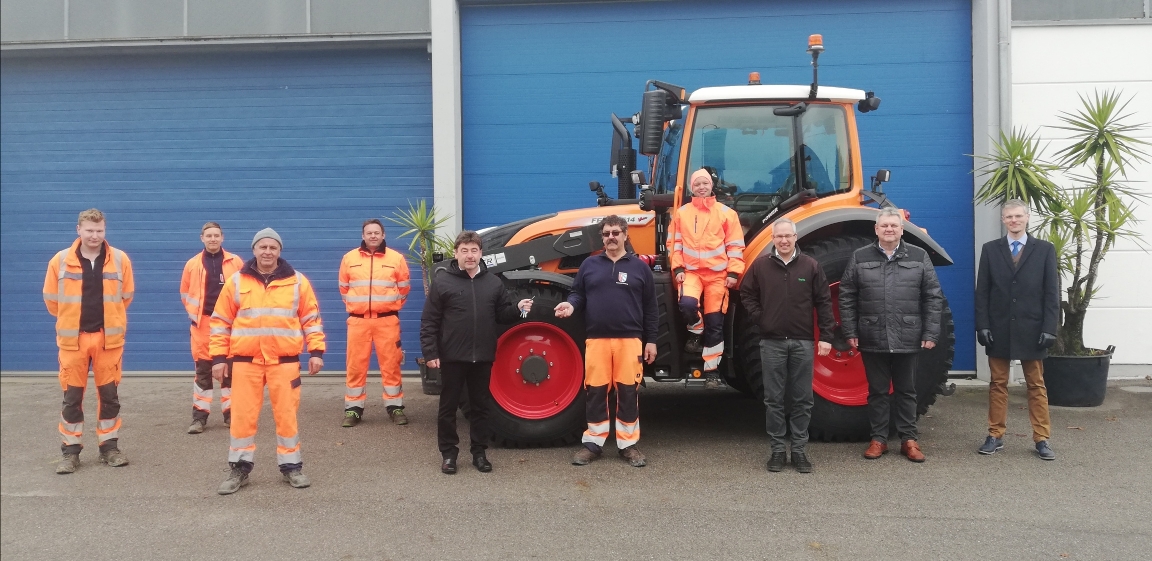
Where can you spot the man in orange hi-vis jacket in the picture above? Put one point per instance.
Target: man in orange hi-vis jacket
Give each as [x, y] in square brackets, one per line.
[265, 315]
[707, 258]
[204, 276]
[374, 283]
[88, 288]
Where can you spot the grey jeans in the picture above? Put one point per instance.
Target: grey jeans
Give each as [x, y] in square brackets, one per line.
[786, 365]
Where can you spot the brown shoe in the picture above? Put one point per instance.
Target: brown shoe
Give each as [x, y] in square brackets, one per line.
[876, 449]
[911, 449]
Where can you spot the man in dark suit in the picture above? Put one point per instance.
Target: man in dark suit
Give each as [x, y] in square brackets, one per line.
[1017, 311]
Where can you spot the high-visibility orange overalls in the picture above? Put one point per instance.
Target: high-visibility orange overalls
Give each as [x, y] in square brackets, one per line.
[193, 288]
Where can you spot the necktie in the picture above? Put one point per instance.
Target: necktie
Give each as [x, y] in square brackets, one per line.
[1015, 249]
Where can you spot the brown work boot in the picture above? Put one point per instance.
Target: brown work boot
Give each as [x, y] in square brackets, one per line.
[584, 456]
[68, 463]
[876, 449]
[114, 458]
[911, 449]
[634, 457]
[196, 427]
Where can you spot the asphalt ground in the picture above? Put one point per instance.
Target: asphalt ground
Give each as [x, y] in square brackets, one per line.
[377, 492]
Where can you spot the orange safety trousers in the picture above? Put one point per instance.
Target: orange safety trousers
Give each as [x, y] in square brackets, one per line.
[202, 383]
[711, 286]
[248, 382]
[384, 332]
[74, 365]
[613, 364]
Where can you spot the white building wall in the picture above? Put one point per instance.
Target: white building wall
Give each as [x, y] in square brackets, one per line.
[1051, 67]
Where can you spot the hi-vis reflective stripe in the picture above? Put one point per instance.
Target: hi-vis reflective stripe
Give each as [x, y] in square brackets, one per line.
[627, 431]
[107, 429]
[380, 283]
[308, 318]
[109, 331]
[404, 283]
[735, 243]
[288, 449]
[703, 254]
[242, 449]
[68, 332]
[296, 292]
[221, 318]
[236, 286]
[354, 393]
[678, 246]
[265, 331]
[377, 298]
[71, 276]
[112, 297]
[63, 299]
[737, 253]
[257, 312]
[189, 299]
[71, 433]
[201, 399]
[220, 331]
[314, 329]
[343, 285]
[393, 395]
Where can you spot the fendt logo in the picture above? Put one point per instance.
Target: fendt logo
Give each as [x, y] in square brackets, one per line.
[631, 219]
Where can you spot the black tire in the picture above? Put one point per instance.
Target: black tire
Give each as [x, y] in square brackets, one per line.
[832, 422]
[565, 427]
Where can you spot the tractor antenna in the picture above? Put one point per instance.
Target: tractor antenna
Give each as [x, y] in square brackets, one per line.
[815, 47]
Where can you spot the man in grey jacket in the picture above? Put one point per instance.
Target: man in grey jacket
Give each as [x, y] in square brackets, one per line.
[890, 307]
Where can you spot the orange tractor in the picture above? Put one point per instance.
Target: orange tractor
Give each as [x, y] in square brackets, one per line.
[773, 151]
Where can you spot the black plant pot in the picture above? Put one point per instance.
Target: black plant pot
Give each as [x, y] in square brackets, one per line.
[1077, 381]
[429, 378]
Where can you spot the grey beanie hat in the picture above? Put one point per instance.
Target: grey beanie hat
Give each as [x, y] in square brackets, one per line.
[267, 233]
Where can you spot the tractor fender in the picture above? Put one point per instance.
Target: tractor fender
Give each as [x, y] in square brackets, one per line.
[867, 215]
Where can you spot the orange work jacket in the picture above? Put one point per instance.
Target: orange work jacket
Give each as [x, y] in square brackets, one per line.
[64, 289]
[376, 282]
[706, 236]
[266, 323]
[193, 280]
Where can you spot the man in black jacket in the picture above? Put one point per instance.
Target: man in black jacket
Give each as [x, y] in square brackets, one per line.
[780, 290]
[1017, 311]
[458, 336]
[890, 307]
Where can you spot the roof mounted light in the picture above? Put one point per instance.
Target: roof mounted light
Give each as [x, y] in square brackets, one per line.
[753, 78]
[816, 43]
[815, 47]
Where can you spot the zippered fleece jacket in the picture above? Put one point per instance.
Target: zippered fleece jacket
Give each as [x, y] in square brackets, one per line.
[780, 297]
[618, 298]
[460, 315]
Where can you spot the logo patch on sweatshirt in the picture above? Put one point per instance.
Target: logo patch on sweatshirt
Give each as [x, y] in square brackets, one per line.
[801, 280]
[621, 278]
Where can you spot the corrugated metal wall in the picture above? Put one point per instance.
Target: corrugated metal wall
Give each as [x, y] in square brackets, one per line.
[309, 143]
[539, 83]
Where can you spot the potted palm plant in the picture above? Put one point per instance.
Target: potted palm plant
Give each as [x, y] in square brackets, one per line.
[1083, 221]
[421, 222]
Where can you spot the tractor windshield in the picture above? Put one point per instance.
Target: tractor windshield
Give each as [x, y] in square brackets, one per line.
[753, 152]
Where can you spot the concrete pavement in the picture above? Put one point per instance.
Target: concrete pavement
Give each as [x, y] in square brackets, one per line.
[378, 494]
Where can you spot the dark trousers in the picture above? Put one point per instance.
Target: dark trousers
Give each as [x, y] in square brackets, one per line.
[787, 370]
[895, 371]
[204, 382]
[453, 377]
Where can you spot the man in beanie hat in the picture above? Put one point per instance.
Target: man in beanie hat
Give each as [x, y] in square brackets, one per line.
[707, 258]
[374, 283]
[265, 314]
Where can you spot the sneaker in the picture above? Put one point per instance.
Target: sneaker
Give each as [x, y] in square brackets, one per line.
[68, 463]
[633, 456]
[776, 461]
[693, 346]
[236, 479]
[712, 381]
[296, 479]
[584, 456]
[991, 445]
[1045, 451]
[351, 419]
[196, 427]
[398, 416]
[114, 458]
[801, 463]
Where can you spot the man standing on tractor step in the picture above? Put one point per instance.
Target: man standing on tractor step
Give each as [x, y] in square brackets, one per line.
[374, 284]
[707, 258]
[88, 288]
[458, 336]
[265, 314]
[780, 291]
[204, 276]
[890, 308]
[1017, 311]
[618, 293]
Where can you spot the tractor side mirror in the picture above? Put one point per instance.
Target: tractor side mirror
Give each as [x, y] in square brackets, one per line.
[653, 115]
[882, 176]
[869, 103]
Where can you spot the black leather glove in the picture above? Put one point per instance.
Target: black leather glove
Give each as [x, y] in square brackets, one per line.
[984, 337]
[1047, 340]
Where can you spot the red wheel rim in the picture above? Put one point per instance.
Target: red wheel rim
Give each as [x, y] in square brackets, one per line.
[541, 343]
[839, 377]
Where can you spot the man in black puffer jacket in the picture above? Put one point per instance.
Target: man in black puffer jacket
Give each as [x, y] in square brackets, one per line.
[890, 308]
[458, 336]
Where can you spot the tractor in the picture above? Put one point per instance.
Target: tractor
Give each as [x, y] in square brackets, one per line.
[773, 151]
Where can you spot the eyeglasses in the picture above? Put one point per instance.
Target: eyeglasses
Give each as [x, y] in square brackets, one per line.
[612, 234]
[784, 236]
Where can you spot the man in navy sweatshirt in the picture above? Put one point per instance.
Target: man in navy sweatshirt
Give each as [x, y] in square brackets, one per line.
[618, 295]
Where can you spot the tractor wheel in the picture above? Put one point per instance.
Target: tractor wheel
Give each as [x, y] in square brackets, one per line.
[840, 388]
[538, 375]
